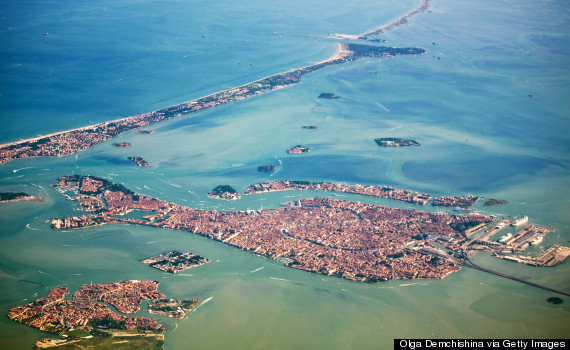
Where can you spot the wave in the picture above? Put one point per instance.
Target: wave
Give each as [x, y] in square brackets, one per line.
[175, 185]
[260, 268]
[237, 164]
[152, 242]
[185, 274]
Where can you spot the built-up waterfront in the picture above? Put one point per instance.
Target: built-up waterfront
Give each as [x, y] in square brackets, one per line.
[55, 315]
[352, 240]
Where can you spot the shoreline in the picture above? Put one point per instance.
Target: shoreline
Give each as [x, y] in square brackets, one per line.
[65, 143]
[398, 22]
[341, 52]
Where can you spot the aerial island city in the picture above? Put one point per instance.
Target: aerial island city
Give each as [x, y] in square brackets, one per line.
[351, 240]
[346, 239]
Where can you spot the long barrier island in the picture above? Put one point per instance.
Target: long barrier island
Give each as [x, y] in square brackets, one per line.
[72, 141]
[351, 240]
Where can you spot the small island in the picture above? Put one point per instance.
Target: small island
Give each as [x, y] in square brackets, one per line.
[139, 161]
[554, 300]
[266, 168]
[311, 127]
[18, 196]
[224, 192]
[144, 131]
[122, 144]
[299, 149]
[174, 261]
[172, 307]
[465, 201]
[395, 142]
[491, 202]
[328, 95]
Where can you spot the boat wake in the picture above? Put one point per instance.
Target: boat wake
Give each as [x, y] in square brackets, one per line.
[279, 279]
[202, 303]
[394, 128]
[383, 107]
[31, 228]
[16, 170]
[13, 177]
[413, 284]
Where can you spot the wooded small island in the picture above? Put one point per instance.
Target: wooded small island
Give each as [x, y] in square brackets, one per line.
[395, 142]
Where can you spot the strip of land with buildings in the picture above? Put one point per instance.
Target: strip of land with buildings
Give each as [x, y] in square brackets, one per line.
[351, 240]
[68, 142]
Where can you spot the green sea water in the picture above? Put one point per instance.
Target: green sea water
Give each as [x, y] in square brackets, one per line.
[466, 101]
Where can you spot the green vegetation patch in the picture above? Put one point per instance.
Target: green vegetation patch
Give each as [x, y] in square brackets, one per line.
[491, 202]
[7, 196]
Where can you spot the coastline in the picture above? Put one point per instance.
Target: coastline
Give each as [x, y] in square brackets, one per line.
[400, 21]
[341, 52]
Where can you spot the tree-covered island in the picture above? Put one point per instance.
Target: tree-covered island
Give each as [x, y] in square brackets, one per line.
[395, 142]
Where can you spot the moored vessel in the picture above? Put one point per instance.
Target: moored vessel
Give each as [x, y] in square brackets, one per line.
[520, 221]
[505, 238]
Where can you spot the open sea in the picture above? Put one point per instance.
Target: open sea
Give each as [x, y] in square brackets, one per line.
[488, 102]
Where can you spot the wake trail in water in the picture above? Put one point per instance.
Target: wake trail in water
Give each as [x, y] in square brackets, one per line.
[16, 170]
[413, 284]
[383, 107]
[279, 279]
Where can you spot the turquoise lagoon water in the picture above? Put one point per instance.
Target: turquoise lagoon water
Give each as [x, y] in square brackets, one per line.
[466, 101]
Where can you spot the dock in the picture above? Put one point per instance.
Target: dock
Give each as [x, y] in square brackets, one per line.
[522, 239]
[550, 257]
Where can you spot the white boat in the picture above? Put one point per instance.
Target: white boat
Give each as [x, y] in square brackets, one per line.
[520, 221]
[537, 240]
[505, 238]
